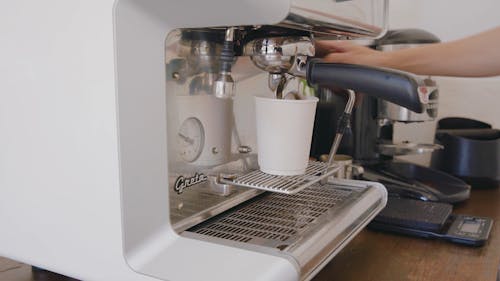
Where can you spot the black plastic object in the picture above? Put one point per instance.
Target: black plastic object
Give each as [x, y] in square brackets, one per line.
[395, 86]
[414, 213]
[471, 151]
[461, 229]
[455, 123]
[408, 180]
[407, 36]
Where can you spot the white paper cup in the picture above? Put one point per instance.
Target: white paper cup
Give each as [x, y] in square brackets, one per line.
[284, 132]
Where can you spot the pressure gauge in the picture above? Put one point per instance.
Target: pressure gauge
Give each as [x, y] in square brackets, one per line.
[191, 138]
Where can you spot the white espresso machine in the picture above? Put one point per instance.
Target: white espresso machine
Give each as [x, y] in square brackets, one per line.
[128, 148]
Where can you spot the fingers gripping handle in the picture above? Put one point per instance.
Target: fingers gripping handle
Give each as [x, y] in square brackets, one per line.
[399, 87]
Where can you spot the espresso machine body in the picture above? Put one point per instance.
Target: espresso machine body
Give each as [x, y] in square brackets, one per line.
[117, 149]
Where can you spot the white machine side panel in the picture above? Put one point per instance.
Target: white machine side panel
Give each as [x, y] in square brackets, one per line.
[60, 199]
[59, 182]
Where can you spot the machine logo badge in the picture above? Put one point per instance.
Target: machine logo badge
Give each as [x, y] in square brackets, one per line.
[182, 182]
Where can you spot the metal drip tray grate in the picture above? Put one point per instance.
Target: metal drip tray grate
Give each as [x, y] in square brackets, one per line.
[315, 172]
[274, 219]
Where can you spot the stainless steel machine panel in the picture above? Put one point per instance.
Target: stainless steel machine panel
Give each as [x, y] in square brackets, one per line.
[276, 220]
[349, 18]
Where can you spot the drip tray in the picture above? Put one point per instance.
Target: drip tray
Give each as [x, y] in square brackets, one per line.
[273, 219]
[308, 228]
[315, 172]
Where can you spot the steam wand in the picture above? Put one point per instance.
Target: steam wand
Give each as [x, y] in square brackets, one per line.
[342, 126]
[224, 84]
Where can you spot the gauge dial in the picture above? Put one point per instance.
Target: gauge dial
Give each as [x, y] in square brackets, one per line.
[191, 138]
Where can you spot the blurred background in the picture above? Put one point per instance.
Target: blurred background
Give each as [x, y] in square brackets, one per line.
[477, 98]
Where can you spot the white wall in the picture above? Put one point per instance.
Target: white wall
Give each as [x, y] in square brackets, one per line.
[477, 98]
[450, 20]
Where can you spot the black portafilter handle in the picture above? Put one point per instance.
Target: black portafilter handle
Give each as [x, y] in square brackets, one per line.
[401, 88]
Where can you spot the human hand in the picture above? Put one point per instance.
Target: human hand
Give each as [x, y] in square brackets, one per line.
[347, 52]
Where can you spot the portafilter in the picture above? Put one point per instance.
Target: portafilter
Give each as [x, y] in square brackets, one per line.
[292, 55]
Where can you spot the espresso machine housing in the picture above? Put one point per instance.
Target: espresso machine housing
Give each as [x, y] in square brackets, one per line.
[131, 128]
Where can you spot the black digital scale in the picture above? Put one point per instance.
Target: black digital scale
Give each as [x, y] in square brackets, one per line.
[432, 220]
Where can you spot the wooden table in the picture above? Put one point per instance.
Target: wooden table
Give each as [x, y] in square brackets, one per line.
[379, 256]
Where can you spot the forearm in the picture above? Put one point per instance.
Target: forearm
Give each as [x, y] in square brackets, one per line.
[473, 56]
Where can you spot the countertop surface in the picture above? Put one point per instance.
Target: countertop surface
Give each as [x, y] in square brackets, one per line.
[380, 256]
[389, 257]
